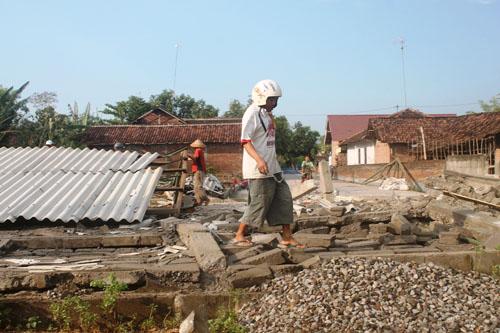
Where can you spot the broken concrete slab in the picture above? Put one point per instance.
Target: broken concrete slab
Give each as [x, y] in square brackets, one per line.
[271, 240]
[315, 230]
[207, 252]
[250, 277]
[368, 217]
[247, 253]
[300, 189]
[311, 222]
[401, 240]
[311, 262]
[231, 249]
[378, 228]
[239, 267]
[184, 230]
[399, 225]
[363, 244]
[279, 270]
[315, 240]
[449, 237]
[273, 257]
[203, 245]
[354, 230]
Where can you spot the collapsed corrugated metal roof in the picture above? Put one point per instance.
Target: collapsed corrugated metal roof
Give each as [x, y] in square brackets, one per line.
[65, 184]
[45, 159]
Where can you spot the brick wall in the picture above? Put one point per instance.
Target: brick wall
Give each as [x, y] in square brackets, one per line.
[223, 159]
[382, 152]
[419, 169]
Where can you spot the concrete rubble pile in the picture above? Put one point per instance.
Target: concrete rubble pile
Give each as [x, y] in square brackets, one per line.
[375, 295]
[470, 188]
[407, 225]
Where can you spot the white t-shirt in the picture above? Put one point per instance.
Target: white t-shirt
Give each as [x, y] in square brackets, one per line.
[262, 136]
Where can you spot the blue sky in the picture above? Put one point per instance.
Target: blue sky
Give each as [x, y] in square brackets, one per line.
[329, 56]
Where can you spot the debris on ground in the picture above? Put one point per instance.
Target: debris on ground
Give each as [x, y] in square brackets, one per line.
[375, 295]
[392, 183]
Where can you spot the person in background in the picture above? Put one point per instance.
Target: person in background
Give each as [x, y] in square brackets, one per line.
[199, 169]
[307, 169]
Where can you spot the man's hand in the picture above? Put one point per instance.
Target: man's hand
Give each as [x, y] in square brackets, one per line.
[262, 166]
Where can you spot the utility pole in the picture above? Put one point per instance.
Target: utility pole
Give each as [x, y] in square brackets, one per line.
[402, 47]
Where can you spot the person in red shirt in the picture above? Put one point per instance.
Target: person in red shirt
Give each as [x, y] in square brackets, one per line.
[199, 169]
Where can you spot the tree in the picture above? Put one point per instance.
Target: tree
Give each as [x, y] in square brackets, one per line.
[303, 140]
[43, 100]
[164, 100]
[127, 111]
[10, 106]
[236, 109]
[283, 140]
[492, 106]
[183, 106]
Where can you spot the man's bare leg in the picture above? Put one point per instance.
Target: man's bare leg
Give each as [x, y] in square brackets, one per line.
[240, 234]
[288, 238]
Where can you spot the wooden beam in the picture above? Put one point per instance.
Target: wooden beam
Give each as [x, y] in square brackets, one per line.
[168, 188]
[163, 211]
[463, 197]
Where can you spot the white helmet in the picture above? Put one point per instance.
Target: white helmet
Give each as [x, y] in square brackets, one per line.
[264, 89]
[49, 143]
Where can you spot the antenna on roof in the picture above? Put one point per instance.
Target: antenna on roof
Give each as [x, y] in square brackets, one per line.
[177, 47]
[401, 42]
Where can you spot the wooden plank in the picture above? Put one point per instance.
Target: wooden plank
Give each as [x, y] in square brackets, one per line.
[168, 188]
[174, 170]
[182, 182]
[409, 175]
[163, 211]
[463, 197]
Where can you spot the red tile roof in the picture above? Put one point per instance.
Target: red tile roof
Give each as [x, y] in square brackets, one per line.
[218, 120]
[342, 127]
[162, 134]
[437, 129]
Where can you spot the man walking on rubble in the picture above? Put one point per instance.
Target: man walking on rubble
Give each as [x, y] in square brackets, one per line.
[269, 195]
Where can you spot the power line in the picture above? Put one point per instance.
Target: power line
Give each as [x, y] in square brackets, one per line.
[446, 105]
[395, 107]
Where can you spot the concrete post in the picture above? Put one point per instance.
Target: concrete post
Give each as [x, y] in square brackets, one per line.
[325, 181]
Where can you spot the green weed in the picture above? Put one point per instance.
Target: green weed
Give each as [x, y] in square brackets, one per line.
[112, 289]
[226, 322]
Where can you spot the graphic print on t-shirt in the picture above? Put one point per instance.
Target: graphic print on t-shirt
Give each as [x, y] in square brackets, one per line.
[271, 132]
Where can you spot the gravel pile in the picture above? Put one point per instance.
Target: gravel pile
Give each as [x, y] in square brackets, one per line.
[376, 295]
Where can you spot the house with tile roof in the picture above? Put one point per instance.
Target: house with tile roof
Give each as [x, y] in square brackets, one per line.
[340, 127]
[411, 135]
[162, 132]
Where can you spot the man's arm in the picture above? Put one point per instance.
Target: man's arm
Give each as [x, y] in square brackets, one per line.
[261, 164]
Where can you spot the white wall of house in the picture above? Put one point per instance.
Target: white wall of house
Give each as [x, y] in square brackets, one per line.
[362, 152]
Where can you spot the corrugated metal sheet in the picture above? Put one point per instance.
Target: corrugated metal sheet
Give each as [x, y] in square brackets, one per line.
[67, 196]
[65, 184]
[45, 159]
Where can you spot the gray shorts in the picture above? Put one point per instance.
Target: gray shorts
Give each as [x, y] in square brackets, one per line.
[268, 200]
